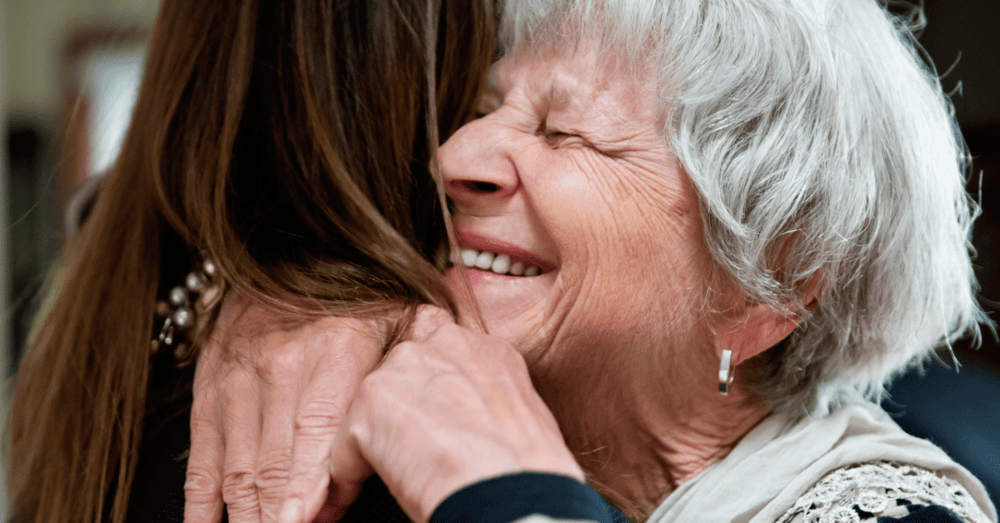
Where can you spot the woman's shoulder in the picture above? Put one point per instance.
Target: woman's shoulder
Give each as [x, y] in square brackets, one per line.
[886, 492]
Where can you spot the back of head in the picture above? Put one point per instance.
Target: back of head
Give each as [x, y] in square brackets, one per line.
[288, 139]
[814, 131]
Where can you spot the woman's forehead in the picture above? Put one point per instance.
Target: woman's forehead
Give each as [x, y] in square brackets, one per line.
[560, 74]
[572, 80]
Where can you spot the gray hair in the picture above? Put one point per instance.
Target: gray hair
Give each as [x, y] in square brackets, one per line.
[815, 129]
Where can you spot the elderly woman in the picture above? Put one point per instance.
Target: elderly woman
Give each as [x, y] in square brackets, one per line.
[703, 235]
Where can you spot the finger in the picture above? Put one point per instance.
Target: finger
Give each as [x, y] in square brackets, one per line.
[242, 440]
[317, 422]
[429, 319]
[203, 481]
[275, 461]
[351, 351]
[348, 472]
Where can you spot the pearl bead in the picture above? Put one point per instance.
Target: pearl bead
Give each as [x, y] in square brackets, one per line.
[178, 296]
[183, 317]
[193, 282]
[162, 309]
[209, 267]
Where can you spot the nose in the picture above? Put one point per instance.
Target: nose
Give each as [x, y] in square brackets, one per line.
[478, 173]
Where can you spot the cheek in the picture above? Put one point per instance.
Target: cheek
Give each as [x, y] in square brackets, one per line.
[632, 245]
[613, 212]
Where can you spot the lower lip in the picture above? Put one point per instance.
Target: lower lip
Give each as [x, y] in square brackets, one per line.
[478, 276]
[501, 290]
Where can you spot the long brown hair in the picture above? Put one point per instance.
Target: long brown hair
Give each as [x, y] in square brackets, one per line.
[288, 139]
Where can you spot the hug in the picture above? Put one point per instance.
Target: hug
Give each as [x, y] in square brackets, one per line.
[660, 268]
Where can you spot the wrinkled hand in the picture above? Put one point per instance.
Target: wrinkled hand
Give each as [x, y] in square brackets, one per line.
[269, 399]
[446, 410]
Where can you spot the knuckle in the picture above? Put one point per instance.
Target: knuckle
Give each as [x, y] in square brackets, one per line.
[451, 329]
[236, 385]
[239, 486]
[201, 485]
[320, 415]
[286, 360]
[282, 365]
[273, 471]
[370, 387]
[405, 351]
[449, 335]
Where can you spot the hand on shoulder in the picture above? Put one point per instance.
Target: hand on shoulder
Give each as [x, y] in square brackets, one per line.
[269, 398]
[445, 410]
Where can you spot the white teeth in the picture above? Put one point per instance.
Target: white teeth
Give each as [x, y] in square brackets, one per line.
[484, 260]
[469, 257]
[500, 264]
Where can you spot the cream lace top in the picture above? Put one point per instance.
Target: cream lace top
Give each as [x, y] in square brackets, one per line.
[852, 465]
[865, 492]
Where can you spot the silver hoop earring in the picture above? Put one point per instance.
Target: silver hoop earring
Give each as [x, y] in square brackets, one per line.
[726, 373]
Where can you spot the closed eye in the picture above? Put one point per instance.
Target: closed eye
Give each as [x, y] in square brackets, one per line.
[552, 136]
[557, 139]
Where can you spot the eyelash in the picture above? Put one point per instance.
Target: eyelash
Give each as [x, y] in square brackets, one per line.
[557, 138]
[553, 138]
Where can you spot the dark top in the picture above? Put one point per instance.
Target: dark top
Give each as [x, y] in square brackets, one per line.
[158, 489]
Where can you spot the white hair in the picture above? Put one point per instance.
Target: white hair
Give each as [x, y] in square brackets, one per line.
[815, 122]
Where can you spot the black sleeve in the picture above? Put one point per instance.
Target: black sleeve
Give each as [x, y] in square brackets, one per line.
[924, 514]
[509, 498]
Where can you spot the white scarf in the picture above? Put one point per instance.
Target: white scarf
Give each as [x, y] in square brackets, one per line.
[778, 461]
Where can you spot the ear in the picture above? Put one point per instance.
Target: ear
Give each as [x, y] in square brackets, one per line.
[752, 329]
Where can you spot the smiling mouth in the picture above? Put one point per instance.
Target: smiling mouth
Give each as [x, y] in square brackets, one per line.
[489, 254]
[498, 263]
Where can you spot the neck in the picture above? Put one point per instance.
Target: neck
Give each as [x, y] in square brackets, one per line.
[638, 445]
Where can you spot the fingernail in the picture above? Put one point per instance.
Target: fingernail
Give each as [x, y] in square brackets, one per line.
[291, 511]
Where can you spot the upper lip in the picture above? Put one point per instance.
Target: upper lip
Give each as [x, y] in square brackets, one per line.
[480, 242]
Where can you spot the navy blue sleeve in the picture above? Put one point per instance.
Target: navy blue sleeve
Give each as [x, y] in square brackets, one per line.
[509, 498]
[925, 514]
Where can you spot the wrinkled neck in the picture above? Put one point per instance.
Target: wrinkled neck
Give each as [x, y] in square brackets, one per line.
[638, 444]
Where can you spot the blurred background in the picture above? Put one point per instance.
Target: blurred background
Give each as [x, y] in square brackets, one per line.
[69, 72]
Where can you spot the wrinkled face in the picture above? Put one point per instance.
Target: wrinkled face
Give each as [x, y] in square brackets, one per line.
[581, 229]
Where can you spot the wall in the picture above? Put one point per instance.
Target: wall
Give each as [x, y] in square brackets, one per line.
[967, 29]
[33, 35]
[4, 247]
[35, 32]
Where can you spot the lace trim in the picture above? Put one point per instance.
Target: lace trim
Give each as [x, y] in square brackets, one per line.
[873, 488]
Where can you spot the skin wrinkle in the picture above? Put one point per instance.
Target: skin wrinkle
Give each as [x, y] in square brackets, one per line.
[562, 331]
[611, 134]
[626, 329]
